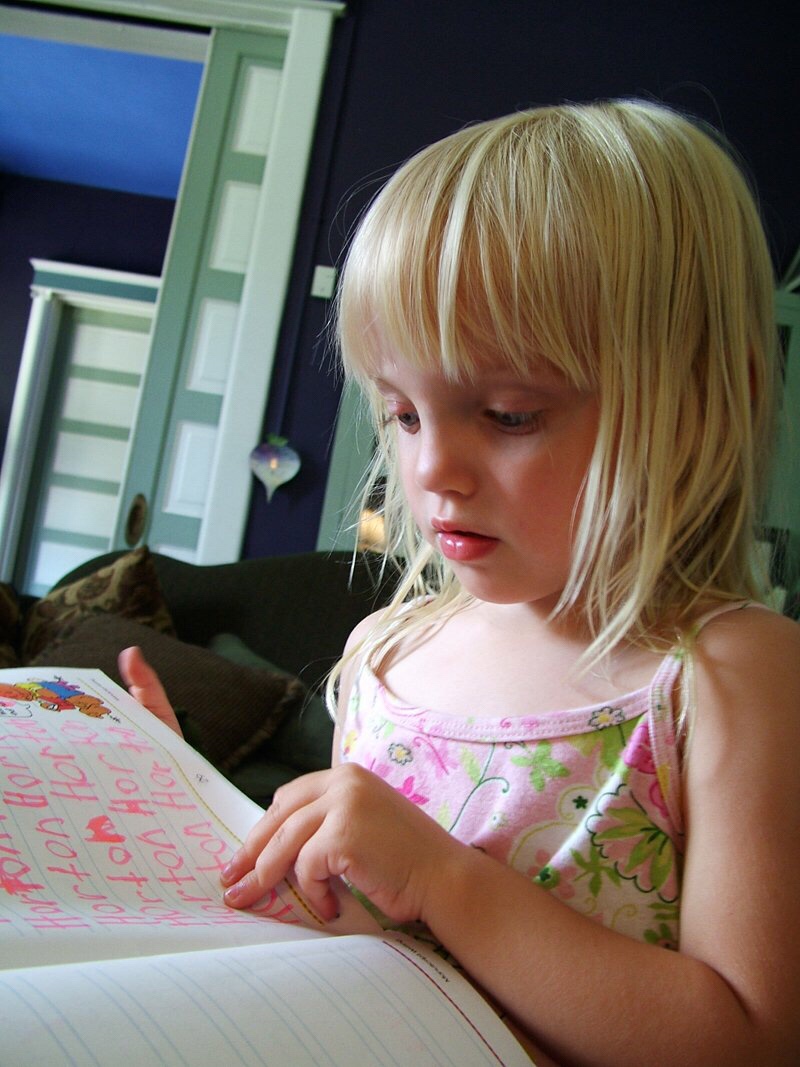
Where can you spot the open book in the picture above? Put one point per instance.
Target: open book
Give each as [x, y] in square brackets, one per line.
[113, 934]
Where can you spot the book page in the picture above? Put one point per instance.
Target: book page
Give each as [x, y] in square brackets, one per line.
[113, 832]
[335, 1001]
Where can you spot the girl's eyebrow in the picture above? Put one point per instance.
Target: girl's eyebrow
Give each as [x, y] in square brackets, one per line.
[384, 386]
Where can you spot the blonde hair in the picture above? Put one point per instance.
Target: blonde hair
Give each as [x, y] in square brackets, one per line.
[619, 243]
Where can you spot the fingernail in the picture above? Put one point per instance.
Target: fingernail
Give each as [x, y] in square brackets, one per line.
[231, 895]
[230, 872]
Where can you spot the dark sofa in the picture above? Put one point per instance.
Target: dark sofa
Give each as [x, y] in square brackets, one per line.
[244, 623]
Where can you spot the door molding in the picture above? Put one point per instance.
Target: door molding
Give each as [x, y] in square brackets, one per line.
[56, 288]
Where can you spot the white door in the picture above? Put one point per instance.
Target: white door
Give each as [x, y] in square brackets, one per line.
[75, 405]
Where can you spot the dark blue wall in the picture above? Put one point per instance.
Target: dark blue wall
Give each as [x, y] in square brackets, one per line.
[403, 73]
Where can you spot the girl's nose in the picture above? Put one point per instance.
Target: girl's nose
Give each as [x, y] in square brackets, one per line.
[444, 462]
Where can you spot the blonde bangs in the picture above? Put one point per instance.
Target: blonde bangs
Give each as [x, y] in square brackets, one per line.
[462, 262]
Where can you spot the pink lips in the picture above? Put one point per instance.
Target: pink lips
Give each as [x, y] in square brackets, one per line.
[462, 546]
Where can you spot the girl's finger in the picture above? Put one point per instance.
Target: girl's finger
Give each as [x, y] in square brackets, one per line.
[145, 686]
[277, 856]
[288, 799]
[313, 875]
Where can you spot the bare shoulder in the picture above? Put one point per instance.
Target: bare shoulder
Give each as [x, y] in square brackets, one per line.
[752, 649]
[351, 656]
[747, 687]
[363, 629]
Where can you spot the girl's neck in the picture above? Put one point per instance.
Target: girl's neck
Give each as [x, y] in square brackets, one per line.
[493, 660]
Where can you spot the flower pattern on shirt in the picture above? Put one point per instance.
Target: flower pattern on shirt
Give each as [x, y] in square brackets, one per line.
[578, 801]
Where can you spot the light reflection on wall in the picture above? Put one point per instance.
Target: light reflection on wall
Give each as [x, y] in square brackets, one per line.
[371, 535]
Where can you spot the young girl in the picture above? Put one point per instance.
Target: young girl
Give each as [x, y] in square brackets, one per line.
[570, 743]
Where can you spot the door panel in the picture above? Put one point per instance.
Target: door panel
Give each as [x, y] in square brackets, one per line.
[90, 350]
[224, 285]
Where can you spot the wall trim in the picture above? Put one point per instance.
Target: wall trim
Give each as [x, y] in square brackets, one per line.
[231, 14]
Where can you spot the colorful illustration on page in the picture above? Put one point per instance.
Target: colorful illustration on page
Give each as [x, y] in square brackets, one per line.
[52, 694]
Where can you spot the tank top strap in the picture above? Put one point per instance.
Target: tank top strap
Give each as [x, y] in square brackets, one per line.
[669, 670]
[713, 613]
[663, 721]
[667, 697]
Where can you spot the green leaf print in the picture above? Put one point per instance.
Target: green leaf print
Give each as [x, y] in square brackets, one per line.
[443, 816]
[543, 767]
[479, 776]
[470, 765]
[651, 850]
[386, 729]
[611, 741]
[594, 869]
[666, 911]
[663, 937]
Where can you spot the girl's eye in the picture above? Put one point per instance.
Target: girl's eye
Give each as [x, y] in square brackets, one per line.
[408, 421]
[516, 421]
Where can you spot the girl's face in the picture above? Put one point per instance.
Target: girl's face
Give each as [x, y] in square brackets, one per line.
[492, 470]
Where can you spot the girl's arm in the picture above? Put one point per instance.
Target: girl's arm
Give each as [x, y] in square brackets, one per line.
[584, 992]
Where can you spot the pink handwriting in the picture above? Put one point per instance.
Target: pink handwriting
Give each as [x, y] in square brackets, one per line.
[12, 873]
[102, 830]
[211, 843]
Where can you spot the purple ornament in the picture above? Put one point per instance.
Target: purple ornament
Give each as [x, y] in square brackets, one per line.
[274, 463]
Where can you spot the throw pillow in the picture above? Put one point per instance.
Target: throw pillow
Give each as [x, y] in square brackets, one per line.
[232, 708]
[9, 626]
[128, 587]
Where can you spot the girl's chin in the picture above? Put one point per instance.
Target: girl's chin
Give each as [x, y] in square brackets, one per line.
[505, 589]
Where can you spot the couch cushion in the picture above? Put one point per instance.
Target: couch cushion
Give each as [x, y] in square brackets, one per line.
[232, 708]
[9, 626]
[304, 740]
[128, 587]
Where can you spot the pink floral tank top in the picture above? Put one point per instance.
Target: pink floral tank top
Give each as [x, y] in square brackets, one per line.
[585, 802]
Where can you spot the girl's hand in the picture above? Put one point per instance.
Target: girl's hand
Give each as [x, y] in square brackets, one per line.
[145, 686]
[346, 823]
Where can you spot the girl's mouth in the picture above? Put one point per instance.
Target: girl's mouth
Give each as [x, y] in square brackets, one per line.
[463, 546]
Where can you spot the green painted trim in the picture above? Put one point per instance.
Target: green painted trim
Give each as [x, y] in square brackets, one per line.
[787, 308]
[94, 429]
[241, 167]
[221, 285]
[271, 15]
[64, 537]
[42, 476]
[31, 527]
[101, 374]
[179, 530]
[197, 407]
[353, 447]
[115, 319]
[88, 485]
[97, 287]
[783, 503]
[186, 280]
